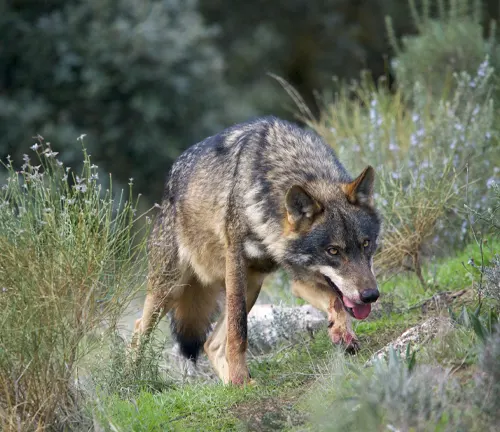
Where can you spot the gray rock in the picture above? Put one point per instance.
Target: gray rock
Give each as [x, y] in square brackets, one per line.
[418, 336]
[270, 326]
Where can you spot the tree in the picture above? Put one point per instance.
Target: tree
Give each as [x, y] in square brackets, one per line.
[142, 79]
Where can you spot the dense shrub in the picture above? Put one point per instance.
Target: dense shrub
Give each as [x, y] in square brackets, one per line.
[431, 157]
[143, 80]
[488, 396]
[450, 41]
[70, 260]
[388, 396]
[392, 395]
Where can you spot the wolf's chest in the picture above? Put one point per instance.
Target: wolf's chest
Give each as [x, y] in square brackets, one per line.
[258, 257]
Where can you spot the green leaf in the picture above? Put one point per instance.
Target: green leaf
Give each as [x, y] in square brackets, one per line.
[480, 330]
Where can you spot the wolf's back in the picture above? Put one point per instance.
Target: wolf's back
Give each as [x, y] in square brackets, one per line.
[243, 173]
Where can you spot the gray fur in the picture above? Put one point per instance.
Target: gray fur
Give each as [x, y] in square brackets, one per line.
[230, 191]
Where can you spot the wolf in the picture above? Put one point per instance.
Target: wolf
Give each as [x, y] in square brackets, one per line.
[261, 195]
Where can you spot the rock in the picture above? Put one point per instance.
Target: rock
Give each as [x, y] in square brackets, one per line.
[271, 325]
[268, 327]
[418, 336]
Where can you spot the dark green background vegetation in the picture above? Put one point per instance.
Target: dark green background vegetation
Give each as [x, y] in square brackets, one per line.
[144, 80]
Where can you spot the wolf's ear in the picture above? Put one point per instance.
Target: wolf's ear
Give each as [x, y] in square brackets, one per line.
[300, 206]
[360, 190]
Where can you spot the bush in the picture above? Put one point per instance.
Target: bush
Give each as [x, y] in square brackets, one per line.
[70, 260]
[389, 396]
[453, 41]
[488, 394]
[430, 156]
[492, 279]
[142, 79]
[114, 373]
[486, 222]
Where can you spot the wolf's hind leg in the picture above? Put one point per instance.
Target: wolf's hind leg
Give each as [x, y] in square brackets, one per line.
[215, 346]
[192, 316]
[164, 279]
[339, 321]
[156, 305]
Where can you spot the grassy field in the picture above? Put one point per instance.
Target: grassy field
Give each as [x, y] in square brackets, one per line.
[297, 386]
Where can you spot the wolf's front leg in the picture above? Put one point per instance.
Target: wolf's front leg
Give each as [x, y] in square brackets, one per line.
[215, 346]
[339, 321]
[339, 326]
[236, 315]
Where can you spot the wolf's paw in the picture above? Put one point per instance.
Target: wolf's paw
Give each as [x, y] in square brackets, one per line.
[342, 336]
[241, 379]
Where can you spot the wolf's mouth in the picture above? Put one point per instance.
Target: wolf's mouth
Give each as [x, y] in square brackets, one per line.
[356, 311]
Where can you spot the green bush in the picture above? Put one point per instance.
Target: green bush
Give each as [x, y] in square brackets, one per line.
[431, 157]
[113, 372]
[398, 396]
[71, 257]
[488, 395]
[444, 44]
[142, 79]
[388, 396]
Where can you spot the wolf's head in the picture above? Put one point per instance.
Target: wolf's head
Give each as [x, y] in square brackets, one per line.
[332, 232]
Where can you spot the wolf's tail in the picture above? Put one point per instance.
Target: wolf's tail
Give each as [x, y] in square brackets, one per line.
[191, 320]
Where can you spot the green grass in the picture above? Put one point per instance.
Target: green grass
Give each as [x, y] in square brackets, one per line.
[442, 274]
[290, 380]
[211, 406]
[278, 376]
[191, 407]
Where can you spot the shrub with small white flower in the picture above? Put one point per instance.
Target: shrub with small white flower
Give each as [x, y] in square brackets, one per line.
[71, 257]
[430, 155]
[487, 222]
[451, 40]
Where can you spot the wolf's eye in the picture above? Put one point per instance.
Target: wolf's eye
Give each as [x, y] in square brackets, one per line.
[332, 251]
[366, 243]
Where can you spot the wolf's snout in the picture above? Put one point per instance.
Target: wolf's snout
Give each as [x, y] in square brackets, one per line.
[369, 295]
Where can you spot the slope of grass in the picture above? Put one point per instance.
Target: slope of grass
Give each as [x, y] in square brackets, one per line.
[290, 383]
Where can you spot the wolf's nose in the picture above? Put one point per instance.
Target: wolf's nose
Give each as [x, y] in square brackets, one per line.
[369, 295]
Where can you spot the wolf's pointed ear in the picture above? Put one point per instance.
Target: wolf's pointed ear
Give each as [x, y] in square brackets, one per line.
[300, 206]
[360, 190]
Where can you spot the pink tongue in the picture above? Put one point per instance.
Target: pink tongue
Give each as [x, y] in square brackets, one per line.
[360, 311]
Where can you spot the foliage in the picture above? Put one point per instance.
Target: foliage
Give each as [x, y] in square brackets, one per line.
[482, 324]
[486, 222]
[397, 394]
[70, 259]
[420, 152]
[304, 42]
[391, 396]
[449, 42]
[145, 80]
[113, 372]
[492, 279]
[142, 79]
[488, 396]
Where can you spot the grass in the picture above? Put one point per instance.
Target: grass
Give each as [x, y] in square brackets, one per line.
[288, 378]
[212, 406]
[442, 274]
[70, 261]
